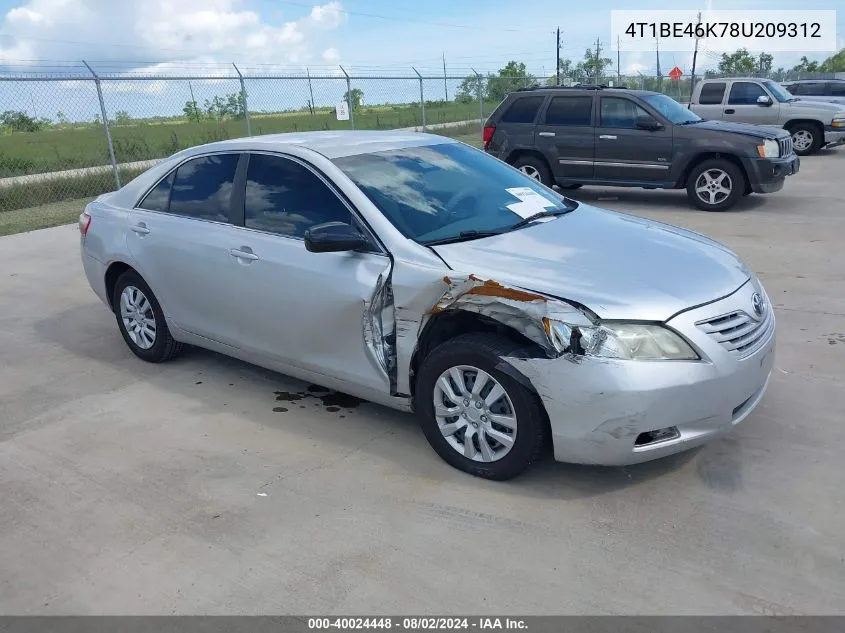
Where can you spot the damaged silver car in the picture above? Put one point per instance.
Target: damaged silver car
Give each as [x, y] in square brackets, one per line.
[417, 272]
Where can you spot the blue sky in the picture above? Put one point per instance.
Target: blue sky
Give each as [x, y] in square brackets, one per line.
[480, 34]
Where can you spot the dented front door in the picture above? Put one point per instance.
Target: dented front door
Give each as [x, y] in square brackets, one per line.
[308, 309]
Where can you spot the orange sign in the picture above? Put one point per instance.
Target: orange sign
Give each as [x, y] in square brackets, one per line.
[676, 73]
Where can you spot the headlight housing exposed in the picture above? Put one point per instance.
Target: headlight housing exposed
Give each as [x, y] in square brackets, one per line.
[624, 341]
[769, 149]
[838, 120]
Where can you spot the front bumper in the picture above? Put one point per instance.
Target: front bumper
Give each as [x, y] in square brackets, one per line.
[599, 408]
[834, 136]
[767, 175]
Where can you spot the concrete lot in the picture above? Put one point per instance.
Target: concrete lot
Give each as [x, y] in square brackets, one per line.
[206, 486]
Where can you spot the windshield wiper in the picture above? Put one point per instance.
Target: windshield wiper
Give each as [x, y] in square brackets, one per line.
[537, 216]
[463, 236]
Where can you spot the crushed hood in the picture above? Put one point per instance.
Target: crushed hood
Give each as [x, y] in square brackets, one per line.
[619, 266]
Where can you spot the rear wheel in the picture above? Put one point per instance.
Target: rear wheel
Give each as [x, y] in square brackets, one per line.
[141, 320]
[477, 418]
[535, 168]
[806, 138]
[715, 185]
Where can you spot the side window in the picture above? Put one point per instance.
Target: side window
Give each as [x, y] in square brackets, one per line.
[523, 110]
[620, 113]
[712, 94]
[158, 198]
[203, 187]
[815, 89]
[570, 111]
[285, 197]
[745, 93]
[837, 88]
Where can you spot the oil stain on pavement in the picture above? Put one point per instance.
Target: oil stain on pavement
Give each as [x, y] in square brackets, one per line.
[333, 401]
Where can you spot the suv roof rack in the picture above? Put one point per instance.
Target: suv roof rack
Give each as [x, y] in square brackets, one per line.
[573, 87]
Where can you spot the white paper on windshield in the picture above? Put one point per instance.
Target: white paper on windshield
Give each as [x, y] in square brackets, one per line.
[530, 202]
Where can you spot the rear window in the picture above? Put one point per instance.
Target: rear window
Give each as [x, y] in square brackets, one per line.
[809, 89]
[837, 88]
[570, 111]
[711, 94]
[523, 110]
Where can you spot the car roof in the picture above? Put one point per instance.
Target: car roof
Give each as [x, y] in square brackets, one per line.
[587, 89]
[330, 143]
[798, 81]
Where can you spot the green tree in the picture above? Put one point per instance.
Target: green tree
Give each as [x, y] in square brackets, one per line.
[16, 121]
[764, 64]
[469, 88]
[806, 66]
[354, 98]
[740, 62]
[834, 63]
[512, 76]
[232, 106]
[592, 67]
[61, 118]
[192, 111]
[567, 73]
[121, 117]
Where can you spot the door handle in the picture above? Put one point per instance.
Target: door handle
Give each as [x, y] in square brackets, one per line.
[239, 254]
[545, 133]
[730, 111]
[141, 229]
[608, 137]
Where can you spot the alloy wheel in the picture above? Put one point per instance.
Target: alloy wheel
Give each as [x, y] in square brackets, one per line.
[136, 312]
[531, 172]
[713, 186]
[474, 413]
[802, 140]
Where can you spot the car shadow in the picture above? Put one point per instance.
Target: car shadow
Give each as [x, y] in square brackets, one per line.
[654, 199]
[89, 332]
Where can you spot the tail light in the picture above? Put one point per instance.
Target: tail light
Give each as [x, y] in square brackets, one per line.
[84, 223]
[487, 136]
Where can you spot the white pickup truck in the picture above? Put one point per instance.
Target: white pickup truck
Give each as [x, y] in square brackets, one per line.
[813, 124]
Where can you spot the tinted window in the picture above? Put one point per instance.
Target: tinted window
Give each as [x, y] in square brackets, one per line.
[837, 88]
[570, 111]
[159, 197]
[285, 197]
[203, 187]
[523, 110]
[711, 94]
[437, 192]
[620, 113]
[815, 88]
[745, 93]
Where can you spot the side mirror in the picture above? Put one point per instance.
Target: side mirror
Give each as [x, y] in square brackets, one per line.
[645, 122]
[334, 237]
[764, 101]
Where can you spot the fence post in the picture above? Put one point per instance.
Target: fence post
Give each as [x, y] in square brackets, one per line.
[105, 123]
[349, 99]
[422, 97]
[243, 96]
[311, 91]
[480, 97]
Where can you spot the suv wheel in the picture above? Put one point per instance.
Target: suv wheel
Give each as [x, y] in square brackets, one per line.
[477, 418]
[806, 138]
[715, 185]
[535, 168]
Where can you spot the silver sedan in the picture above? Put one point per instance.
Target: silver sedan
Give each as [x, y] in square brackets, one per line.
[417, 272]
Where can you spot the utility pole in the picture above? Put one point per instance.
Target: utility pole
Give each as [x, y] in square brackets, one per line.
[694, 58]
[557, 66]
[445, 88]
[657, 52]
[618, 62]
[194, 101]
[598, 62]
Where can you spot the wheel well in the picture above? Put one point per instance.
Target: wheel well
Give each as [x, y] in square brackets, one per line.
[700, 158]
[814, 123]
[113, 272]
[519, 153]
[451, 323]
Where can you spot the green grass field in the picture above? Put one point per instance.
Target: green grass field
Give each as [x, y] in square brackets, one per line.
[85, 145]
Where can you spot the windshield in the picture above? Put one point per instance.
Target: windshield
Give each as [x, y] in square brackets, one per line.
[671, 109]
[781, 94]
[439, 192]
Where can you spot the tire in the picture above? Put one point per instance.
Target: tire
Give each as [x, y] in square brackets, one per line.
[535, 168]
[715, 172]
[140, 303]
[806, 138]
[519, 405]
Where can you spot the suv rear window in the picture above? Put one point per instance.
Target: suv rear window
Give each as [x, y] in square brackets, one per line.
[711, 94]
[570, 111]
[523, 110]
[837, 88]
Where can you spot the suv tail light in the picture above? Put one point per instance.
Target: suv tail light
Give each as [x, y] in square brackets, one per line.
[84, 223]
[487, 136]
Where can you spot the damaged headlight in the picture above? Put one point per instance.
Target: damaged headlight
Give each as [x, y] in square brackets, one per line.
[627, 341]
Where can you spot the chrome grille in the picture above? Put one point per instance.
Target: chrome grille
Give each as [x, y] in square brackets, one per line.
[738, 332]
[785, 146]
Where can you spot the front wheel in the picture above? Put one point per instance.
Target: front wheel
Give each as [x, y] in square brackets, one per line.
[535, 168]
[715, 185]
[477, 418]
[806, 138]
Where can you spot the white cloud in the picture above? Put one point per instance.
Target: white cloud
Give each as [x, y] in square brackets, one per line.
[159, 30]
[331, 55]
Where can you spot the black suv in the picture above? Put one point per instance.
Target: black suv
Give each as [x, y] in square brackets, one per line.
[634, 138]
